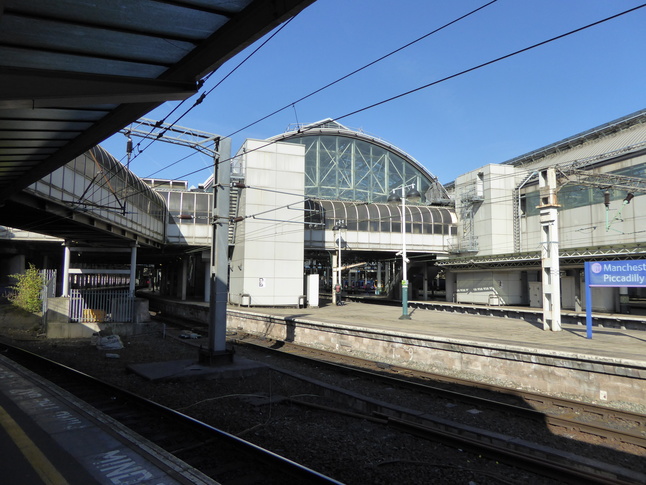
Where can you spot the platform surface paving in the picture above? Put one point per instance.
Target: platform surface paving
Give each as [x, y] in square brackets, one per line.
[49, 437]
[606, 343]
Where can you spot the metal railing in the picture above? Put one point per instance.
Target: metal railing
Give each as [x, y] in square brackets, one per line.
[101, 306]
[49, 287]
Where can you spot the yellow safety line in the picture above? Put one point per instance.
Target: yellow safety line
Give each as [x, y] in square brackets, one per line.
[35, 457]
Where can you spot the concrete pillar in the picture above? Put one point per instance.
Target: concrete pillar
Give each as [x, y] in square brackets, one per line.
[133, 270]
[219, 257]
[425, 283]
[335, 278]
[379, 281]
[183, 278]
[207, 281]
[624, 299]
[577, 290]
[66, 271]
[450, 284]
[550, 250]
[163, 279]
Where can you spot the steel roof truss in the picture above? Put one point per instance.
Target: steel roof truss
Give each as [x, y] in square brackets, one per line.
[620, 182]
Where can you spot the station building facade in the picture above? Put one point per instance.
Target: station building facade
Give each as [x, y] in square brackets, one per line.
[600, 197]
[478, 238]
[314, 200]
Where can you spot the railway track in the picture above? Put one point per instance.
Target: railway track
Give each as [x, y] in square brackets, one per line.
[605, 422]
[538, 460]
[549, 413]
[219, 455]
[625, 427]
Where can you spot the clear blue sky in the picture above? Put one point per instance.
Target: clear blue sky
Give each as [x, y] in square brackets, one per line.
[490, 115]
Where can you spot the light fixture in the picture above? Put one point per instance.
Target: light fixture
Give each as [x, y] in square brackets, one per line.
[338, 227]
[413, 195]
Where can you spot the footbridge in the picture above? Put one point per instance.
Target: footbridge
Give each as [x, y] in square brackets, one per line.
[92, 200]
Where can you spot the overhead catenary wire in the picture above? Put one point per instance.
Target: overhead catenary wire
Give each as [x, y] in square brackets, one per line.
[365, 66]
[199, 101]
[425, 86]
[206, 93]
[338, 80]
[451, 76]
[446, 78]
[271, 229]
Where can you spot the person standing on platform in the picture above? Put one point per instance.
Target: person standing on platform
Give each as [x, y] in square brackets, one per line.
[337, 291]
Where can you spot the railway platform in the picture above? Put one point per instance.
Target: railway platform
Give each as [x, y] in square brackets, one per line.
[616, 342]
[504, 349]
[609, 368]
[49, 437]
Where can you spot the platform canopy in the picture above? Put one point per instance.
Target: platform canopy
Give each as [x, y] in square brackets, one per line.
[73, 72]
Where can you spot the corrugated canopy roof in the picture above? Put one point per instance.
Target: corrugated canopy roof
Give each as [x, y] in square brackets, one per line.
[625, 134]
[74, 72]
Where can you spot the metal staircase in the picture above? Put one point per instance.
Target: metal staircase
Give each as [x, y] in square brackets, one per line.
[234, 203]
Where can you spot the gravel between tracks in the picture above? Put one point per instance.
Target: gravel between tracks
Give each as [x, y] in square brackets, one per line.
[351, 450]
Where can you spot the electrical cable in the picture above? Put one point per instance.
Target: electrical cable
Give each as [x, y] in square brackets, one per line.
[488, 63]
[198, 102]
[293, 103]
[205, 94]
[447, 78]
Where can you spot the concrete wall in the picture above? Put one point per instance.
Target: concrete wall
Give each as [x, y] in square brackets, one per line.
[561, 374]
[489, 287]
[267, 261]
[86, 330]
[603, 299]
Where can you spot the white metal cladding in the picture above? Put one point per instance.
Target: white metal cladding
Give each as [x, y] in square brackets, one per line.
[428, 227]
[189, 217]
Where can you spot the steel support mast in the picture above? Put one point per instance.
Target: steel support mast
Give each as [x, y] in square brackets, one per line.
[550, 250]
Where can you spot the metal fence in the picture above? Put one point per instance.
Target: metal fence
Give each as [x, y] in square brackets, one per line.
[49, 287]
[101, 306]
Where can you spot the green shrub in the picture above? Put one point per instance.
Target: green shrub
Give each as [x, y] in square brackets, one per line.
[26, 292]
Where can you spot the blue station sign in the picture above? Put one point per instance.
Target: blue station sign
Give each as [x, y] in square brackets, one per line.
[617, 273]
[611, 274]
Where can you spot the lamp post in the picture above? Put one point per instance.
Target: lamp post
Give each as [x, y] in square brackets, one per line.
[337, 227]
[393, 199]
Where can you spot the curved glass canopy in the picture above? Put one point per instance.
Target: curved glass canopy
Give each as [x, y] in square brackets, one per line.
[343, 164]
[375, 218]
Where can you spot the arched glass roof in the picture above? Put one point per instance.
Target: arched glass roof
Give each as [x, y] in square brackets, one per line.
[343, 164]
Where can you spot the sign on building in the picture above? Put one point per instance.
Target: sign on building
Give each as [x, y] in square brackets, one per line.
[618, 273]
[614, 274]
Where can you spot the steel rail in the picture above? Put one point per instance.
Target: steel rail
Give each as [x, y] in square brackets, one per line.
[597, 429]
[255, 454]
